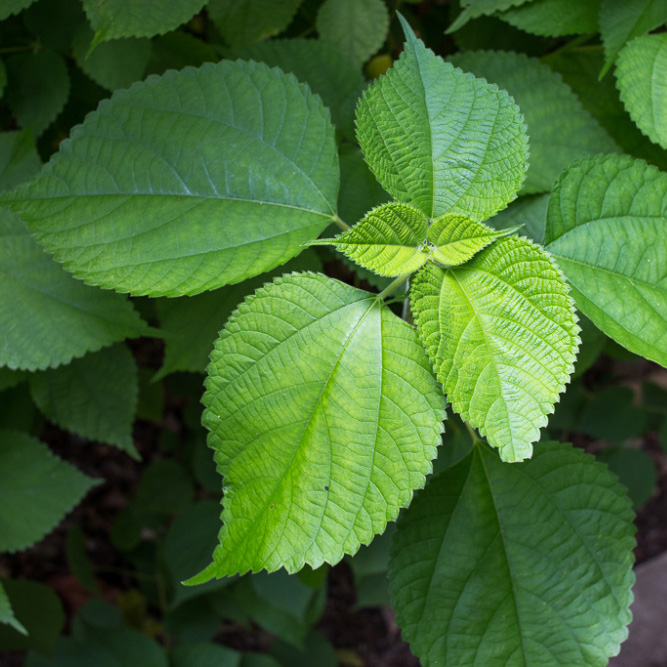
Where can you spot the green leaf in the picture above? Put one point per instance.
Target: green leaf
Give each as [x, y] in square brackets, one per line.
[635, 469]
[610, 415]
[18, 158]
[94, 396]
[114, 64]
[621, 21]
[641, 71]
[528, 213]
[502, 336]
[458, 239]
[555, 18]
[516, 565]
[188, 181]
[54, 22]
[7, 613]
[39, 485]
[10, 7]
[333, 457]
[164, 488]
[38, 87]
[112, 19]
[560, 129]
[204, 654]
[441, 140]
[245, 21]
[357, 28]
[3, 78]
[473, 8]
[10, 378]
[390, 240]
[46, 316]
[327, 72]
[77, 559]
[177, 50]
[606, 227]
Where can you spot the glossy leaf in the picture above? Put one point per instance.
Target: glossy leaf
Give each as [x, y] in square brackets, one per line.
[456, 239]
[7, 613]
[112, 19]
[95, 396]
[43, 486]
[441, 140]
[502, 337]
[559, 128]
[620, 21]
[523, 565]
[357, 28]
[244, 21]
[350, 420]
[606, 227]
[641, 72]
[390, 240]
[171, 187]
[555, 18]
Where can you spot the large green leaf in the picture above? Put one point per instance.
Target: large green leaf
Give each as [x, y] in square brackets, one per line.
[516, 565]
[324, 418]
[390, 240]
[95, 396]
[36, 490]
[620, 21]
[502, 336]
[606, 227]
[245, 21]
[641, 72]
[441, 140]
[10, 7]
[555, 18]
[47, 317]
[188, 181]
[18, 158]
[357, 28]
[112, 19]
[560, 129]
[7, 614]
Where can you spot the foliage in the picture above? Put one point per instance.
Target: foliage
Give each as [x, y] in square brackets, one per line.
[400, 275]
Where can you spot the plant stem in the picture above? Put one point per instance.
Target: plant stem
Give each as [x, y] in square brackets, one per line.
[473, 434]
[337, 221]
[393, 285]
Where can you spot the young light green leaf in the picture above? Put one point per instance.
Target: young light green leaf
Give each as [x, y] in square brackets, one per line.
[18, 158]
[560, 129]
[516, 565]
[7, 614]
[38, 87]
[10, 7]
[188, 181]
[112, 19]
[501, 333]
[350, 419]
[441, 140]
[554, 18]
[529, 214]
[606, 227]
[114, 64]
[621, 21]
[245, 21]
[357, 28]
[641, 72]
[37, 483]
[390, 240]
[458, 239]
[46, 316]
[95, 396]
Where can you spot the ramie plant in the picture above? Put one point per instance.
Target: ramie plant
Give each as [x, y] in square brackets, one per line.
[325, 408]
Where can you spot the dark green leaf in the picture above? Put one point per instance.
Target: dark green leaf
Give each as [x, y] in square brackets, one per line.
[18, 158]
[635, 469]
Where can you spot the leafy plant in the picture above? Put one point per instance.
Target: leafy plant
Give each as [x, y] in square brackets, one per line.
[215, 187]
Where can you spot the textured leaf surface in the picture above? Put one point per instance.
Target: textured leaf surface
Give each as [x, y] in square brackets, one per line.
[458, 239]
[326, 71]
[357, 28]
[516, 565]
[555, 18]
[324, 418]
[245, 21]
[10, 7]
[502, 336]
[7, 614]
[95, 396]
[18, 158]
[620, 21]
[188, 181]
[641, 72]
[441, 140]
[112, 19]
[36, 490]
[47, 317]
[114, 64]
[560, 129]
[528, 213]
[390, 240]
[606, 227]
[38, 87]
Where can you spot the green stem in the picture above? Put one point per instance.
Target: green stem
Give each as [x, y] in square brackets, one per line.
[473, 434]
[577, 41]
[393, 286]
[18, 49]
[337, 221]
